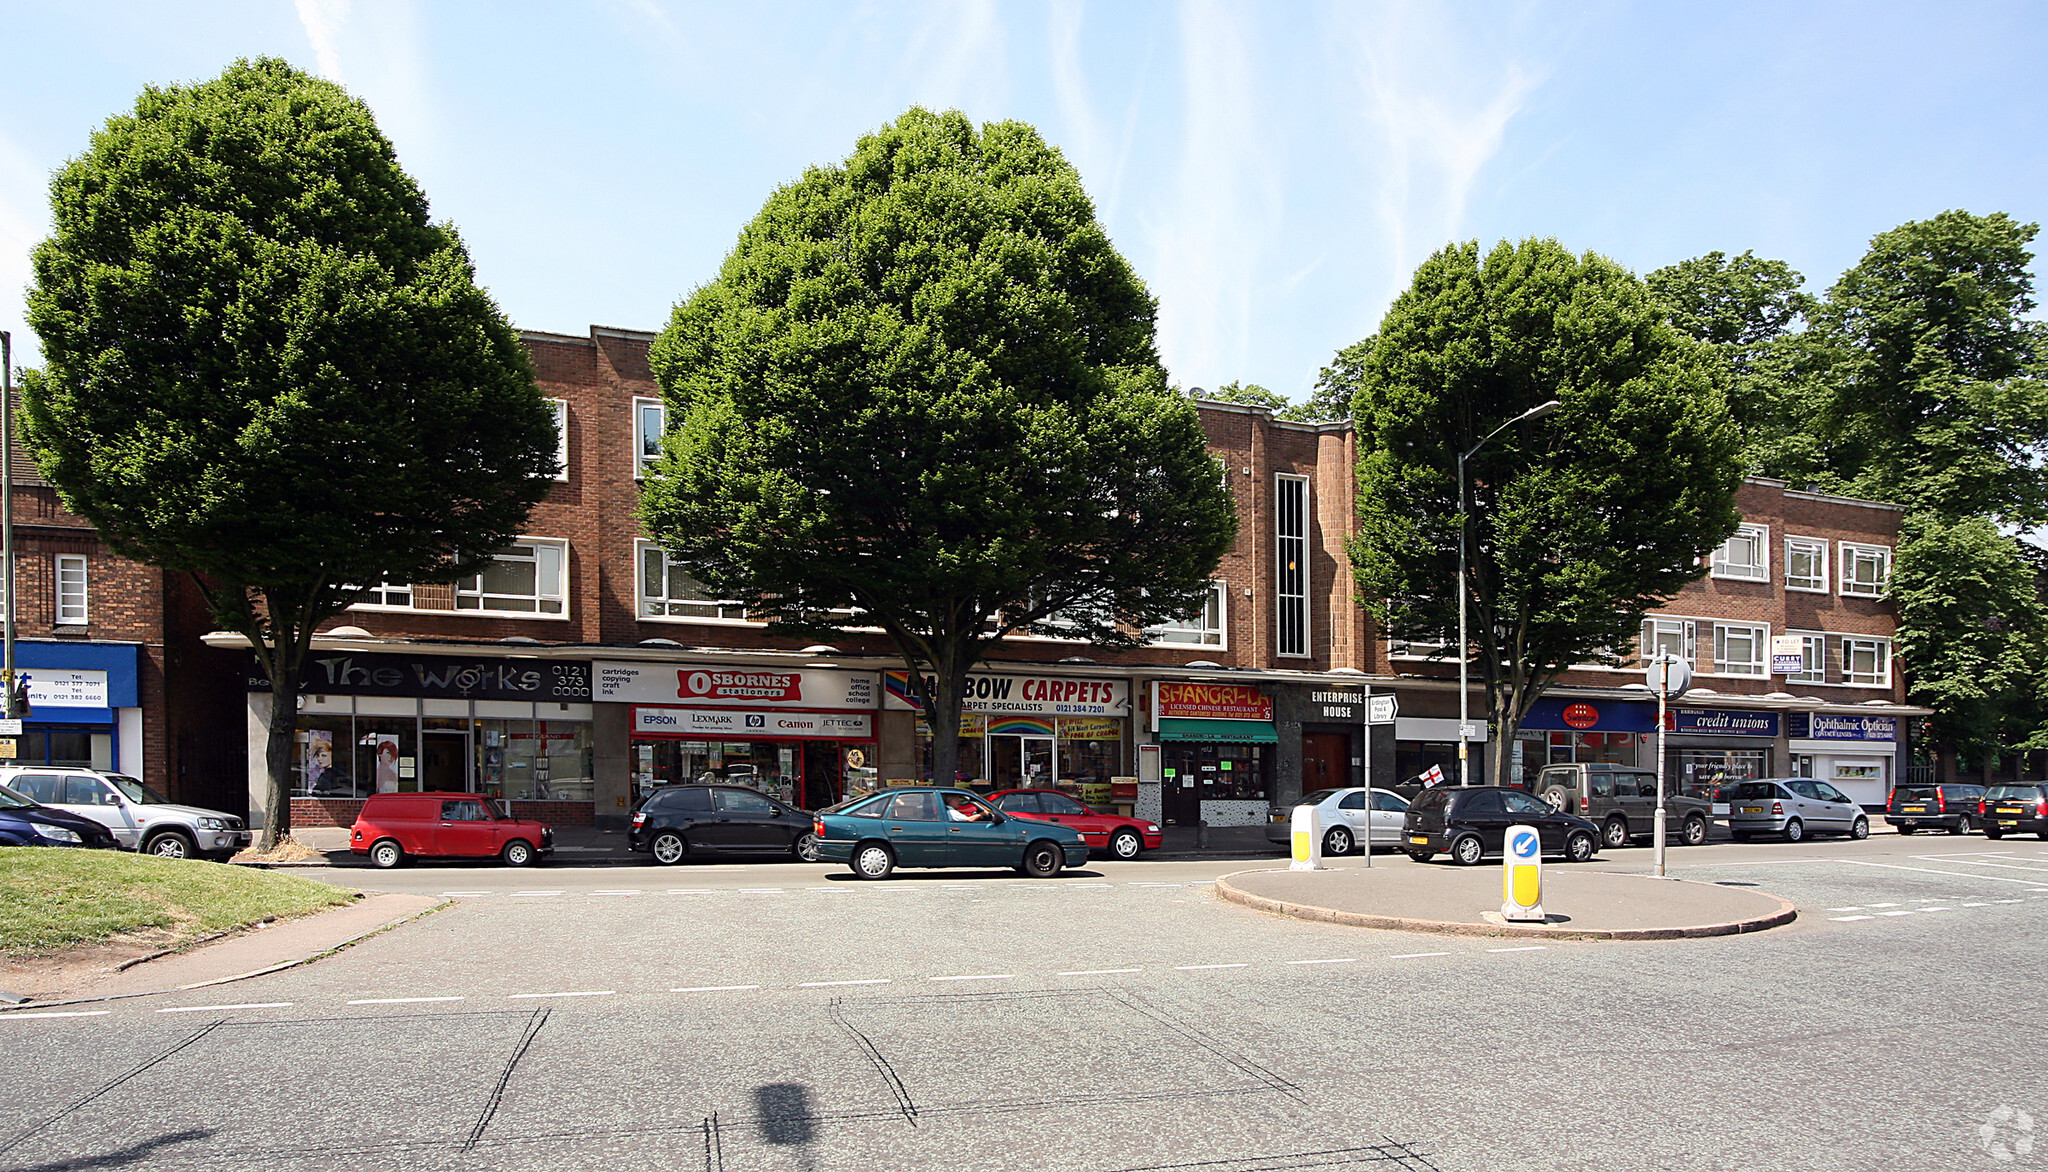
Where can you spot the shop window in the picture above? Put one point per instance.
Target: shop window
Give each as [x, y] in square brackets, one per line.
[560, 410]
[1813, 659]
[1865, 569]
[1702, 771]
[70, 590]
[650, 419]
[667, 592]
[525, 578]
[1859, 771]
[1740, 649]
[1671, 637]
[1290, 565]
[1806, 564]
[1867, 661]
[1746, 554]
[1202, 629]
[324, 764]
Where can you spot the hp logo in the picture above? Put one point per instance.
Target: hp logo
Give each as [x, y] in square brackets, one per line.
[757, 722]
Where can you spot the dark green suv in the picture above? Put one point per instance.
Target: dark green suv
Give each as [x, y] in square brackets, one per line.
[1622, 799]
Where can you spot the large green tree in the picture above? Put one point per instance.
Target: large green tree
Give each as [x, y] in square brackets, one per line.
[922, 395]
[265, 366]
[1579, 521]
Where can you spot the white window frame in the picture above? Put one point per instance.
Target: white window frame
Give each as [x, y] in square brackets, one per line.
[1760, 635]
[1687, 630]
[1398, 648]
[561, 410]
[1291, 587]
[386, 596]
[71, 605]
[1818, 548]
[546, 551]
[1173, 634]
[641, 458]
[1760, 570]
[642, 600]
[1855, 552]
[1881, 647]
[1813, 649]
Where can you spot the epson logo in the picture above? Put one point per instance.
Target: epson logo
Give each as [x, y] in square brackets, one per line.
[657, 718]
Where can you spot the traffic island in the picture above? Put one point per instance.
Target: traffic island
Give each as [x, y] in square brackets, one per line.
[1582, 904]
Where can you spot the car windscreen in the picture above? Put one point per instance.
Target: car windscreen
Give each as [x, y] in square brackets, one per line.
[2013, 793]
[9, 800]
[135, 791]
[1314, 798]
[1429, 799]
[1914, 793]
[1754, 791]
[867, 807]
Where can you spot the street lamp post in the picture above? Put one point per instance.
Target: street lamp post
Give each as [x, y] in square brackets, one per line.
[1465, 643]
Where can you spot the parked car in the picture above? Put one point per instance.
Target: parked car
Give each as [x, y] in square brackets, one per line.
[1123, 838]
[1351, 815]
[1793, 807]
[1471, 822]
[2014, 809]
[1623, 801]
[1949, 806]
[396, 827]
[932, 827]
[138, 816]
[678, 822]
[24, 822]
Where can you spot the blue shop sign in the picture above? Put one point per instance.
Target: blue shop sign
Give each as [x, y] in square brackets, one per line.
[1554, 715]
[78, 683]
[1831, 726]
[1727, 722]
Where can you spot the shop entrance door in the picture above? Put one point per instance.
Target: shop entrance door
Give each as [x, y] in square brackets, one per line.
[1180, 798]
[1020, 762]
[444, 760]
[1325, 761]
[821, 772]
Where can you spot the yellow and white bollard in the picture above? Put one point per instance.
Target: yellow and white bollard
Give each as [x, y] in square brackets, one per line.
[1307, 829]
[1521, 875]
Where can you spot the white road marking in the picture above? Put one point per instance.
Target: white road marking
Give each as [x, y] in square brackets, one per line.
[1523, 948]
[1845, 909]
[1413, 955]
[714, 989]
[1976, 905]
[1935, 909]
[537, 893]
[400, 1000]
[1091, 885]
[2003, 866]
[53, 1013]
[977, 977]
[577, 993]
[691, 891]
[831, 984]
[2008, 901]
[1158, 885]
[1851, 919]
[465, 893]
[1907, 912]
[1884, 905]
[1931, 871]
[1331, 960]
[218, 1008]
[1191, 967]
[760, 891]
[1096, 972]
[617, 892]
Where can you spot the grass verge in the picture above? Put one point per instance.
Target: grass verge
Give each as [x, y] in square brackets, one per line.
[55, 897]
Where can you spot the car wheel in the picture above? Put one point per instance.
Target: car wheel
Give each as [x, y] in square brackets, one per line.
[1579, 847]
[518, 853]
[1795, 831]
[1337, 843]
[669, 848]
[1962, 825]
[386, 854]
[170, 845]
[1615, 831]
[1042, 859]
[1907, 828]
[1560, 798]
[1422, 856]
[1694, 832]
[805, 848]
[1467, 851]
[873, 861]
[1125, 844]
[1860, 828]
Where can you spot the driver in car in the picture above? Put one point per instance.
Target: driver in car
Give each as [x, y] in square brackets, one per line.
[961, 808]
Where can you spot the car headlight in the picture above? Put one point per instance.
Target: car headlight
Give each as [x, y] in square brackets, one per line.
[212, 824]
[58, 834]
[1151, 829]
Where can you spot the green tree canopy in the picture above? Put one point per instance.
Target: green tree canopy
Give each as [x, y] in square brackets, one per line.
[1580, 521]
[1250, 394]
[922, 395]
[267, 367]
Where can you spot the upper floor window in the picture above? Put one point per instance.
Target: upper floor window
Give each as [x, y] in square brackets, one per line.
[1865, 569]
[1290, 565]
[560, 407]
[1813, 660]
[1739, 649]
[527, 577]
[1867, 661]
[1399, 648]
[667, 591]
[1806, 564]
[1746, 554]
[650, 419]
[1202, 629]
[386, 594]
[70, 590]
[1678, 637]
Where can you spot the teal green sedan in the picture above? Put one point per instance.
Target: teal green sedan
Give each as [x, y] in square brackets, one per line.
[931, 827]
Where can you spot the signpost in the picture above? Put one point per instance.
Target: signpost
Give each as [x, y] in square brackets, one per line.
[1521, 876]
[1668, 676]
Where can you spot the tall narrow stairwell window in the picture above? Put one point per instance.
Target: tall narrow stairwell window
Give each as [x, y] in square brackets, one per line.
[1290, 569]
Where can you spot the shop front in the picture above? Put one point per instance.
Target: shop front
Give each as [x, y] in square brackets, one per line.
[517, 729]
[1856, 752]
[84, 707]
[804, 737]
[1425, 742]
[1218, 747]
[1559, 730]
[1705, 748]
[1026, 731]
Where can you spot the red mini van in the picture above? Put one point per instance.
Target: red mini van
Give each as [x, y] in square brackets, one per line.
[395, 827]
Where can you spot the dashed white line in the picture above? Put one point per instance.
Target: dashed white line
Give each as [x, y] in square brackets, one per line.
[714, 989]
[1851, 919]
[575, 993]
[1091, 885]
[760, 891]
[1096, 972]
[620, 891]
[1907, 912]
[1935, 909]
[537, 893]
[1883, 905]
[1845, 909]
[400, 1000]
[977, 977]
[1158, 885]
[54, 1013]
[2008, 901]
[1931, 871]
[833, 984]
[1523, 948]
[1413, 955]
[221, 1008]
[1976, 905]
[1192, 967]
[472, 893]
[691, 891]
[1330, 960]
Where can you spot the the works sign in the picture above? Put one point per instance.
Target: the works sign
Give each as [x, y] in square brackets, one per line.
[350, 673]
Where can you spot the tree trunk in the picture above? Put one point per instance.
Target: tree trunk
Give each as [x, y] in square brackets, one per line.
[949, 675]
[277, 758]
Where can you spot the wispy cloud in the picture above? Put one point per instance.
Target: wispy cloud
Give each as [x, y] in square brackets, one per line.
[958, 58]
[323, 20]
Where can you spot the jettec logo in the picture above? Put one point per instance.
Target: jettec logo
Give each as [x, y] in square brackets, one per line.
[785, 687]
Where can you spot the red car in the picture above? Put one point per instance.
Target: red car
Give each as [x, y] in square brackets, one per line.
[395, 827]
[1122, 837]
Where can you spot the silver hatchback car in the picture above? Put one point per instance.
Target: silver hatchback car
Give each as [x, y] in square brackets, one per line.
[1793, 807]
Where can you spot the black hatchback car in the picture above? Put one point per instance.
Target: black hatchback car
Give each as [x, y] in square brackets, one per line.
[25, 822]
[680, 822]
[1471, 823]
[2014, 809]
[1948, 806]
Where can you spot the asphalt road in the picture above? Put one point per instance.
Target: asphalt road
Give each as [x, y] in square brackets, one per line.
[778, 1016]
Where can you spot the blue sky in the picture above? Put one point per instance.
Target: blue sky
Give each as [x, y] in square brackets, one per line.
[1274, 171]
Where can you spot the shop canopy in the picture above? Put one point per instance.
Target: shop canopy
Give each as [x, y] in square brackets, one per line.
[1239, 732]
